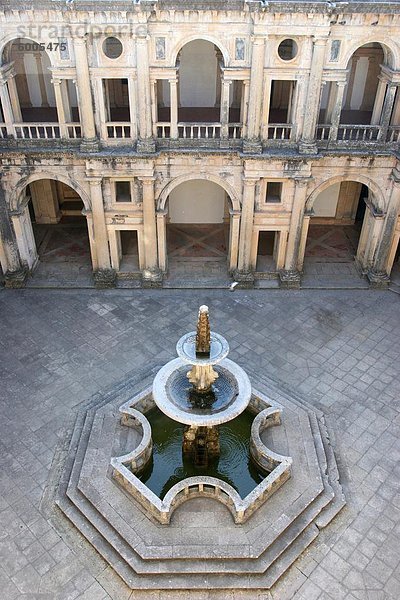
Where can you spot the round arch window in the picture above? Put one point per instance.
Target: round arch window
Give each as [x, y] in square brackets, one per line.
[287, 49]
[112, 47]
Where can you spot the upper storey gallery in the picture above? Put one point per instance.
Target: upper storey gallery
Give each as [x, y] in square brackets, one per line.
[152, 75]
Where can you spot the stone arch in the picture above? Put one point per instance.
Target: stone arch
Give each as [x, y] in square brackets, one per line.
[6, 43]
[165, 192]
[207, 38]
[16, 195]
[390, 50]
[369, 183]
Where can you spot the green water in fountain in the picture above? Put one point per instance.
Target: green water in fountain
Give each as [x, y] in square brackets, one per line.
[168, 467]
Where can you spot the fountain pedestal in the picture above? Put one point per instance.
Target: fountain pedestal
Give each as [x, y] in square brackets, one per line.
[200, 444]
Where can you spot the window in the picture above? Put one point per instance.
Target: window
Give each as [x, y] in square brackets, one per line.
[112, 47]
[123, 191]
[287, 49]
[274, 192]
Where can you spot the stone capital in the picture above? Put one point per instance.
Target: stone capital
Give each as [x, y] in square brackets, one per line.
[147, 179]
[319, 41]
[258, 40]
[302, 181]
[250, 181]
[79, 40]
[93, 181]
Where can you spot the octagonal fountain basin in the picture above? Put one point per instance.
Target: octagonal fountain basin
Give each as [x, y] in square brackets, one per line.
[169, 466]
[158, 475]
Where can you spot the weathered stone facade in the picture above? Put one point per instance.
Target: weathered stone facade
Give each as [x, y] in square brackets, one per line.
[303, 64]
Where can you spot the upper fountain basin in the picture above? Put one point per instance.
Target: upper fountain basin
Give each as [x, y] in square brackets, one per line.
[186, 349]
[171, 390]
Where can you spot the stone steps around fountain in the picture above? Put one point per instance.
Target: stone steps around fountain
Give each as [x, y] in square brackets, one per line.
[169, 566]
[95, 538]
[177, 581]
[164, 554]
[287, 550]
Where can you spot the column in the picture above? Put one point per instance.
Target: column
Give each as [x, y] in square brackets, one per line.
[337, 110]
[234, 239]
[150, 231]
[146, 141]
[331, 100]
[42, 82]
[85, 95]
[387, 110]
[154, 104]
[370, 83]
[104, 275]
[379, 99]
[253, 144]
[379, 273]
[281, 249]
[162, 240]
[173, 88]
[350, 84]
[45, 201]
[13, 93]
[218, 79]
[15, 272]
[244, 107]
[308, 144]
[246, 228]
[66, 101]
[290, 276]
[7, 108]
[132, 106]
[22, 224]
[224, 112]
[265, 108]
[60, 107]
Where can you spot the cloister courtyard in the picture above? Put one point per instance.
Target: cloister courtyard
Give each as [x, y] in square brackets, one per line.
[61, 350]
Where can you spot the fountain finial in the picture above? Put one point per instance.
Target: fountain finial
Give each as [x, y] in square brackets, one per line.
[203, 338]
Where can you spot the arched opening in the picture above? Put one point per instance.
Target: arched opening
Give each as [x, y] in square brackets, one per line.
[337, 237]
[364, 68]
[198, 231]
[203, 99]
[365, 98]
[52, 233]
[200, 63]
[31, 93]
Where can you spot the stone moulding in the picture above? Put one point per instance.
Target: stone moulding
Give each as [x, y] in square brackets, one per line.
[125, 467]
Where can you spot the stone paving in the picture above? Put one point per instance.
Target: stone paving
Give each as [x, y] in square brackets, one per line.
[340, 349]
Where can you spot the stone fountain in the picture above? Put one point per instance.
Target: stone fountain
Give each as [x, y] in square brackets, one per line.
[194, 478]
[214, 391]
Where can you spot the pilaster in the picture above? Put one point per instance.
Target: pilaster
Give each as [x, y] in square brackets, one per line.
[15, 272]
[151, 276]
[85, 99]
[173, 86]
[379, 273]
[308, 144]
[146, 142]
[104, 275]
[244, 273]
[337, 110]
[290, 276]
[252, 143]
